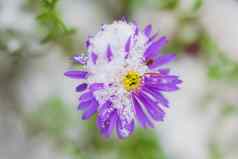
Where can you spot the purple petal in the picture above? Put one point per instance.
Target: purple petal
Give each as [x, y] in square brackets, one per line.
[92, 109]
[106, 119]
[109, 53]
[86, 96]
[164, 71]
[161, 60]
[157, 95]
[85, 104]
[152, 108]
[152, 38]
[148, 30]
[124, 128]
[94, 57]
[136, 31]
[163, 87]
[81, 59]
[87, 43]
[81, 87]
[96, 86]
[140, 115]
[128, 44]
[154, 48]
[76, 74]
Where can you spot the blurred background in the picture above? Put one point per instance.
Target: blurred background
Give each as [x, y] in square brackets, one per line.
[38, 117]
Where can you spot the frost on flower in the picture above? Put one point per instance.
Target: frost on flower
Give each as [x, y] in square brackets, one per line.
[122, 80]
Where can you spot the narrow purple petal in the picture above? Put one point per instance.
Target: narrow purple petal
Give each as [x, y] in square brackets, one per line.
[148, 30]
[128, 44]
[163, 87]
[92, 109]
[154, 48]
[161, 60]
[140, 115]
[94, 57]
[152, 108]
[151, 39]
[157, 95]
[136, 31]
[96, 86]
[76, 74]
[124, 128]
[109, 53]
[81, 87]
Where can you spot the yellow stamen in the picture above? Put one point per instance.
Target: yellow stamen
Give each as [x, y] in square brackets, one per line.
[131, 80]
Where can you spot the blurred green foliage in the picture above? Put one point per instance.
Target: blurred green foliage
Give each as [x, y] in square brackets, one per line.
[52, 23]
[220, 66]
[197, 5]
[215, 152]
[54, 118]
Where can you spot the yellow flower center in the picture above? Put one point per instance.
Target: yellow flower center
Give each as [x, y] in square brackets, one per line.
[131, 80]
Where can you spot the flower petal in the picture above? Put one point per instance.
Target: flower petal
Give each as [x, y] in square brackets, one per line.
[157, 95]
[154, 48]
[86, 96]
[109, 53]
[76, 74]
[92, 109]
[96, 86]
[106, 119]
[94, 57]
[127, 46]
[148, 30]
[154, 36]
[81, 87]
[124, 128]
[161, 60]
[152, 108]
[140, 115]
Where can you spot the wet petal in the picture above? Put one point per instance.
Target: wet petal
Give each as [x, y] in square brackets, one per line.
[106, 120]
[124, 128]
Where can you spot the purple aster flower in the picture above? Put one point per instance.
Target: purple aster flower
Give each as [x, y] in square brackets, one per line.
[123, 79]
